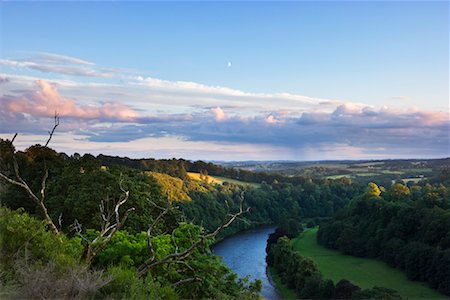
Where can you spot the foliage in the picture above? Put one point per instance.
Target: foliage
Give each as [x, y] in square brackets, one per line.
[24, 238]
[409, 228]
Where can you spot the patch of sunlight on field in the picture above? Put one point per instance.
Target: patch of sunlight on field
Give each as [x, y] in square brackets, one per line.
[379, 163]
[363, 272]
[338, 176]
[221, 180]
[198, 176]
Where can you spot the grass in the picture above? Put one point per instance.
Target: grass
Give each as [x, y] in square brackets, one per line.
[378, 163]
[282, 289]
[414, 179]
[338, 176]
[211, 179]
[221, 180]
[392, 172]
[420, 170]
[367, 174]
[363, 272]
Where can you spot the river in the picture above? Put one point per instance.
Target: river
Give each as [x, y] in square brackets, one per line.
[245, 254]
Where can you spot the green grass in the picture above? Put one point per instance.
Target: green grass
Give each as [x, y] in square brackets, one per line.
[379, 163]
[221, 180]
[224, 179]
[392, 172]
[338, 176]
[420, 170]
[414, 179]
[281, 288]
[363, 272]
[367, 174]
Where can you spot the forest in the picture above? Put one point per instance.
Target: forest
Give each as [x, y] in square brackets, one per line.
[109, 227]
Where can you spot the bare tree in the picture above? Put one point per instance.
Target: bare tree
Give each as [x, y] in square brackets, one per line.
[17, 180]
[179, 257]
[112, 221]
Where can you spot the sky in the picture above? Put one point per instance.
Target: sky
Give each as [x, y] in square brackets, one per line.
[228, 80]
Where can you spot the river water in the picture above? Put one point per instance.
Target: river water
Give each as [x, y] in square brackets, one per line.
[245, 254]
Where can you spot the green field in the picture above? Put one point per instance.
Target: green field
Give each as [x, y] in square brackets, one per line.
[339, 176]
[221, 180]
[378, 163]
[414, 179]
[363, 272]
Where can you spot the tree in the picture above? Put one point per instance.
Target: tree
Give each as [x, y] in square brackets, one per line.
[373, 190]
[16, 179]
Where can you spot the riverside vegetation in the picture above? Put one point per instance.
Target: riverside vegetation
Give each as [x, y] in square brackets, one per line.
[122, 228]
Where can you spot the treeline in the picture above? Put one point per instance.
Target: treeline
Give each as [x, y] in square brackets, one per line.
[409, 228]
[180, 167]
[301, 275]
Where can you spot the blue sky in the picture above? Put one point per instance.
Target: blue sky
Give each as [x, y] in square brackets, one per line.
[319, 77]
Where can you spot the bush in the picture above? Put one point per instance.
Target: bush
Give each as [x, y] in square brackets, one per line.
[52, 282]
[24, 238]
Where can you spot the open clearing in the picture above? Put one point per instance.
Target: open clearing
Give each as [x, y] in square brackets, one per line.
[363, 272]
[221, 180]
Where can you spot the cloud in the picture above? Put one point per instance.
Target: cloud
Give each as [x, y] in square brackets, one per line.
[271, 120]
[46, 100]
[4, 80]
[219, 114]
[60, 64]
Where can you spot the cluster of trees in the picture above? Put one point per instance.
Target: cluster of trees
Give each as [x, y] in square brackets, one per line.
[407, 227]
[301, 275]
[284, 204]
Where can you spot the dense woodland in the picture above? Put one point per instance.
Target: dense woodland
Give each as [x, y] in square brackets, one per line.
[122, 228]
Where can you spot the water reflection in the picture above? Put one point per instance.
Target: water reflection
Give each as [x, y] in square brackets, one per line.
[245, 254]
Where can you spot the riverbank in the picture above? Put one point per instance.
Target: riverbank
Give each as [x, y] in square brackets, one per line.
[284, 292]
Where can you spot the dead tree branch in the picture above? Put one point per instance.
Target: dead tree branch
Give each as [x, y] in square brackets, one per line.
[112, 222]
[18, 181]
[53, 130]
[183, 281]
[179, 257]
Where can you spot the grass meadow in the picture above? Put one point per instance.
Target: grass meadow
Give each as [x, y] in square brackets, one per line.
[363, 272]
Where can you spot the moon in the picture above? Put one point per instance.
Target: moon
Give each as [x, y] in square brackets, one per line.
[229, 64]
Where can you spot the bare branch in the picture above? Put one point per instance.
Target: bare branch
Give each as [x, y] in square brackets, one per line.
[14, 137]
[152, 226]
[107, 229]
[179, 256]
[186, 280]
[53, 130]
[21, 183]
[60, 221]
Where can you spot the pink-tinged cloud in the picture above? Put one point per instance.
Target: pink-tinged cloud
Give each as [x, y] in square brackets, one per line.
[219, 114]
[46, 101]
[271, 120]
